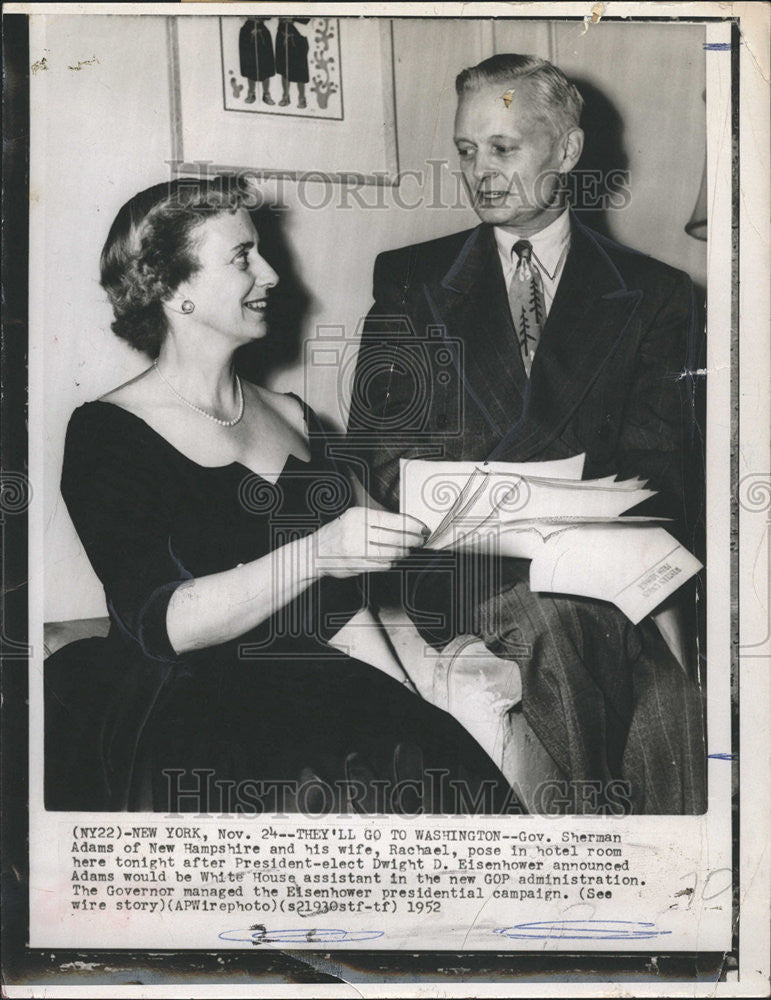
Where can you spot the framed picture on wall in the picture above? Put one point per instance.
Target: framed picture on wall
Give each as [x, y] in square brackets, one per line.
[249, 93]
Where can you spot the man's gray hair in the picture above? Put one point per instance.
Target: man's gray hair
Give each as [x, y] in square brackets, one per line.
[560, 99]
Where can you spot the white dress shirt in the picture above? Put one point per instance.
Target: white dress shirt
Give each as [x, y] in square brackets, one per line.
[550, 250]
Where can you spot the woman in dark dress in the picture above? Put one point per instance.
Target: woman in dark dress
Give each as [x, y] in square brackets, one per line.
[255, 56]
[230, 547]
[292, 58]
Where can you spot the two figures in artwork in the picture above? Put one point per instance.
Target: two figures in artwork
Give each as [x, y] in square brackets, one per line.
[259, 62]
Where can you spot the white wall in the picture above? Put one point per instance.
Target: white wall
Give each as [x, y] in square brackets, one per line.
[107, 134]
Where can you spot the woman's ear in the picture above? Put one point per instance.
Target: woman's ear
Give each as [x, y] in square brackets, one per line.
[179, 303]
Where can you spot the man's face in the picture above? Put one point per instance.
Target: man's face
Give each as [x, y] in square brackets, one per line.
[511, 156]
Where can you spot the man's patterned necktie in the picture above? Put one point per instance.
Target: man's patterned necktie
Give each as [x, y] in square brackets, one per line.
[527, 302]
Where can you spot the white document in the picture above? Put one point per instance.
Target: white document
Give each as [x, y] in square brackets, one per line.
[428, 489]
[570, 528]
[635, 567]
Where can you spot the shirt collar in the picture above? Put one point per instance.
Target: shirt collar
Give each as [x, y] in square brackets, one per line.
[548, 245]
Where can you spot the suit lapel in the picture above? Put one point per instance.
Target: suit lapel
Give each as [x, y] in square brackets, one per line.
[588, 318]
[471, 305]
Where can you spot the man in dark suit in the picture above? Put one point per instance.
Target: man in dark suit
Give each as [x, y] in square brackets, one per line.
[531, 337]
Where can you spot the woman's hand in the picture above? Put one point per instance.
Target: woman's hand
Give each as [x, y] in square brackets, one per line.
[363, 540]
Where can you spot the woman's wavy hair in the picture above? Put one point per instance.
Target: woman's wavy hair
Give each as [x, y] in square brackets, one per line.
[151, 249]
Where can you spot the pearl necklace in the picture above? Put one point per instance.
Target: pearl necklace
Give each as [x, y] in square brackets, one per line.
[205, 413]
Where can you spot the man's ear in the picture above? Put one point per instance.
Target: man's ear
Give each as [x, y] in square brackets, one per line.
[572, 147]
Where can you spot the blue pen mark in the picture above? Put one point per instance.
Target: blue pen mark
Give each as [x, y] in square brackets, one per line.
[716, 46]
[582, 930]
[300, 935]
[723, 756]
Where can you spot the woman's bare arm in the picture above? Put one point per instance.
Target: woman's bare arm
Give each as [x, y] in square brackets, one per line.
[213, 609]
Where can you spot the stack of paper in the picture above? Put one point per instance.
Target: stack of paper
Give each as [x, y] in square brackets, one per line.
[570, 528]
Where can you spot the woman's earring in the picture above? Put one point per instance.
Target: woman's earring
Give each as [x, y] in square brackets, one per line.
[188, 306]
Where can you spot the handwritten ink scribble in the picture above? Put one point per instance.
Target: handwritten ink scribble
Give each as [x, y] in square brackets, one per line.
[582, 930]
[723, 756]
[299, 935]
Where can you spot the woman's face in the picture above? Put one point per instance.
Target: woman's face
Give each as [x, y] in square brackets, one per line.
[230, 288]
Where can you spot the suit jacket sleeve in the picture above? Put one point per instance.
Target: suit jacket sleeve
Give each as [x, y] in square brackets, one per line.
[391, 385]
[658, 436]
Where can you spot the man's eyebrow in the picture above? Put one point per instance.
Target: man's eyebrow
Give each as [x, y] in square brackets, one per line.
[246, 245]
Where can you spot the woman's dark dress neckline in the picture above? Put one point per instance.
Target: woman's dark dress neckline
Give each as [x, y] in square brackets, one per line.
[229, 465]
[278, 704]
